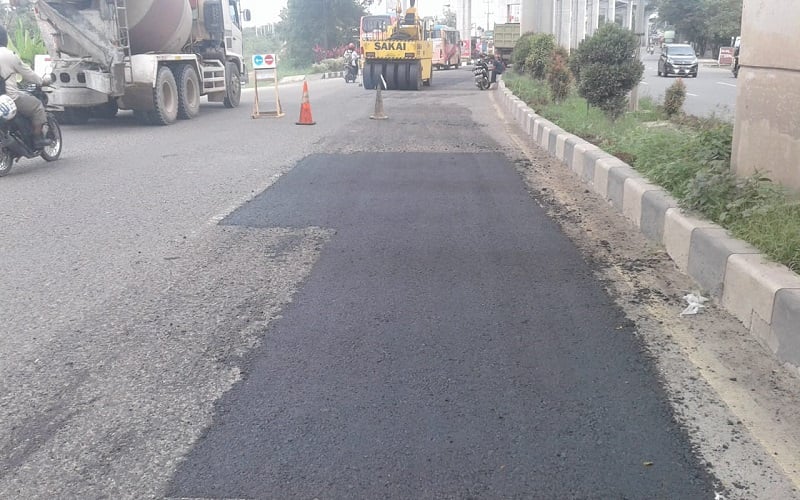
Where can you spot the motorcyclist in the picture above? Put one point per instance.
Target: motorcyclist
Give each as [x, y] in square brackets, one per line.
[351, 59]
[11, 66]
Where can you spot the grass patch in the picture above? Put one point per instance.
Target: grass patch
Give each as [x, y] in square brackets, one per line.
[690, 158]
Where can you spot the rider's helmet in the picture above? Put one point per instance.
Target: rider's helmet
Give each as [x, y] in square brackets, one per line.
[8, 109]
[352, 46]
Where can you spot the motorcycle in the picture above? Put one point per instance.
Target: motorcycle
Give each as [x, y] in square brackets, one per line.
[16, 132]
[481, 72]
[351, 69]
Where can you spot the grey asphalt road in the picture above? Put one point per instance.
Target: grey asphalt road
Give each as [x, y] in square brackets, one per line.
[449, 343]
[712, 92]
[240, 307]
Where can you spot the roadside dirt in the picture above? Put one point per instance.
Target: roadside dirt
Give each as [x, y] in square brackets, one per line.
[737, 402]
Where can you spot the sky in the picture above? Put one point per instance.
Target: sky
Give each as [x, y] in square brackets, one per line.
[267, 11]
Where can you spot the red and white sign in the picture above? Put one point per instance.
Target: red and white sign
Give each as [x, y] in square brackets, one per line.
[264, 61]
[726, 56]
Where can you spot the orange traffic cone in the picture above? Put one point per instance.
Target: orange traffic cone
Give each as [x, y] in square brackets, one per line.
[305, 108]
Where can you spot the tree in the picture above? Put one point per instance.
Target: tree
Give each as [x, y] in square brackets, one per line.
[688, 17]
[306, 24]
[606, 68]
[542, 47]
[703, 22]
[724, 21]
[449, 18]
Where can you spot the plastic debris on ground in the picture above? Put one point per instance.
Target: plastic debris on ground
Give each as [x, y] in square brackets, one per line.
[696, 304]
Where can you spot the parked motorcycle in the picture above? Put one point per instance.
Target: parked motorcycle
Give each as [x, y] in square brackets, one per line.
[16, 133]
[481, 72]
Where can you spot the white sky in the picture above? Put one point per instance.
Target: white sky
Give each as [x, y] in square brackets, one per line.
[267, 11]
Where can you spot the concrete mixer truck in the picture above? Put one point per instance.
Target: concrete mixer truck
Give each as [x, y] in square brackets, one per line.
[155, 57]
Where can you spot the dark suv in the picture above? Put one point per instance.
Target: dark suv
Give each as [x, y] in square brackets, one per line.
[677, 59]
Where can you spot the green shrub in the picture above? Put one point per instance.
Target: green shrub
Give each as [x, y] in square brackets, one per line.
[542, 46]
[606, 68]
[533, 92]
[327, 65]
[674, 98]
[559, 76]
[26, 41]
[521, 50]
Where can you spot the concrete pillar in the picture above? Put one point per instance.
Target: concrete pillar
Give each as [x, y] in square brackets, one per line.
[564, 19]
[539, 16]
[766, 134]
[573, 26]
[641, 21]
[594, 16]
[468, 16]
[628, 19]
[528, 15]
[580, 23]
[611, 11]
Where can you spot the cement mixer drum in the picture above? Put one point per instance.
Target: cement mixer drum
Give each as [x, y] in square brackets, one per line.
[159, 25]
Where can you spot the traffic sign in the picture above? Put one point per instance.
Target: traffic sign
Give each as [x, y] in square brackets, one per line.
[264, 61]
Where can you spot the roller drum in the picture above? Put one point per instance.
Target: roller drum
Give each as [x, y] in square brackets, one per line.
[159, 25]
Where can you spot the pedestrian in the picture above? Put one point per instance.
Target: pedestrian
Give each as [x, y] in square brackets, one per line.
[498, 67]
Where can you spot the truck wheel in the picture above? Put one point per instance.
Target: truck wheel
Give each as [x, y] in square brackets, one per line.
[188, 92]
[165, 98]
[233, 87]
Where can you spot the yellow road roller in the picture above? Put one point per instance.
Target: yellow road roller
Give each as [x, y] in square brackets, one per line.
[403, 57]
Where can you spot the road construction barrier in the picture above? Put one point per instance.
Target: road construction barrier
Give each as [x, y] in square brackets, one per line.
[305, 108]
[265, 70]
[379, 114]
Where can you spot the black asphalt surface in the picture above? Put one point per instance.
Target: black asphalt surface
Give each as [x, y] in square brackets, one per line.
[449, 343]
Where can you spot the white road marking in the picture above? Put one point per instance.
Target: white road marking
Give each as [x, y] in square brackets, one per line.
[728, 84]
[693, 95]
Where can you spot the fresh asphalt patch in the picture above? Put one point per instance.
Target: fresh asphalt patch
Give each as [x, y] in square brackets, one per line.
[449, 342]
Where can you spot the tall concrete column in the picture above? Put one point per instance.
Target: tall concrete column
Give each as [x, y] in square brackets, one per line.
[594, 16]
[528, 15]
[539, 16]
[628, 22]
[564, 19]
[611, 11]
[766, 133]
[580, 23]
[640, 29]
